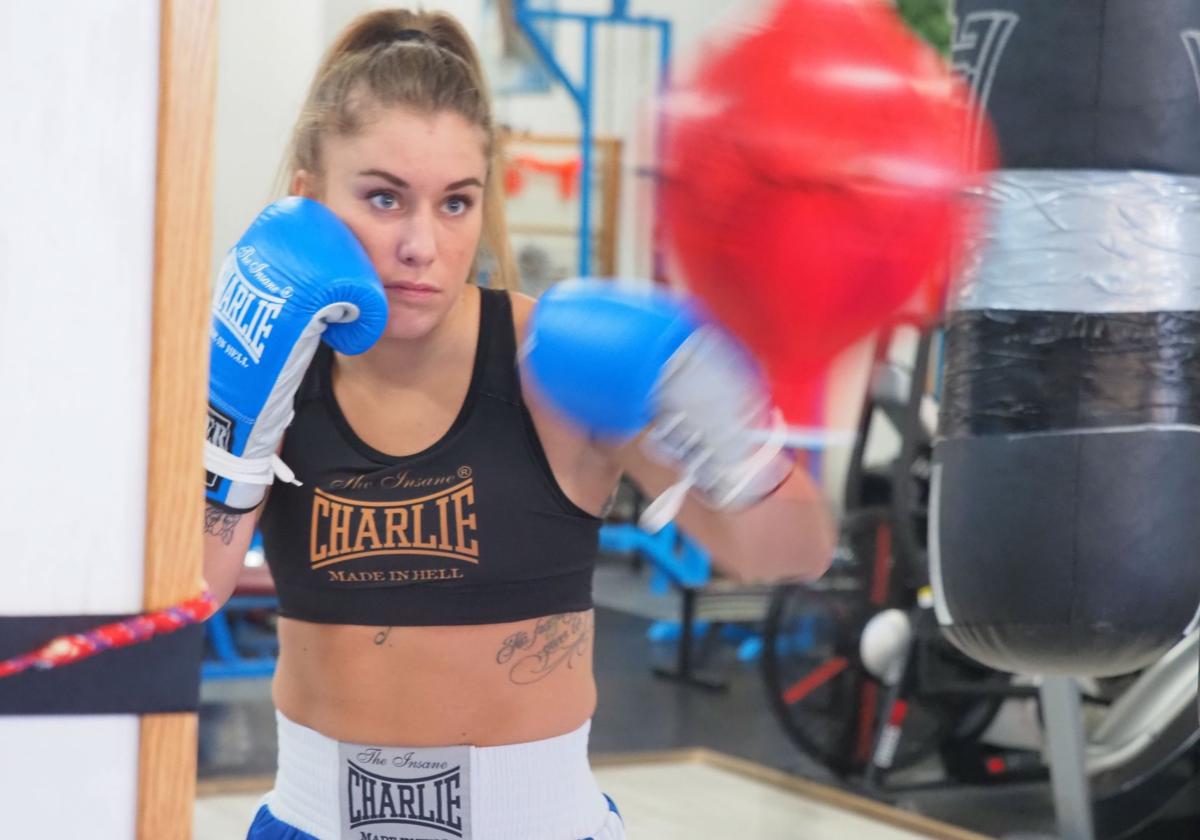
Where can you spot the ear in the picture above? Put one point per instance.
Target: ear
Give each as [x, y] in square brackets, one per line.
[304, 184]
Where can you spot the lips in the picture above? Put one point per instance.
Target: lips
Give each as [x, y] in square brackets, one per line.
[411, 289]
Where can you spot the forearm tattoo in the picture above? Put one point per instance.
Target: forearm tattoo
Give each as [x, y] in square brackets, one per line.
[532, 655]
[220, 523]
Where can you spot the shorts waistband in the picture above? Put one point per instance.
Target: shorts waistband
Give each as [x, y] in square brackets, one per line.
[540, 790]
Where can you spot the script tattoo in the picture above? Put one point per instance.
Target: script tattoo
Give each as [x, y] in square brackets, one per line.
[382, 635]
[220, 523]
[533, 655]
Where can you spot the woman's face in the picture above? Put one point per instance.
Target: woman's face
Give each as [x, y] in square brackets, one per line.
[410, 186]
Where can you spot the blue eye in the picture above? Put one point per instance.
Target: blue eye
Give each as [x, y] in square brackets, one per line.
[383, 200]
[457, 205]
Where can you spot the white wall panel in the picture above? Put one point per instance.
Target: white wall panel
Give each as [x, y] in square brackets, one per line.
[68, 776]
[78, 89]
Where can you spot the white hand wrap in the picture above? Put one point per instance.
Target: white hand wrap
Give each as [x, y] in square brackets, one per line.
[261, 471]
[713, 411]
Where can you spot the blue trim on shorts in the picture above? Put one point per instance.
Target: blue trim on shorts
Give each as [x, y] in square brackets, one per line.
[267, 827]
[612, 807]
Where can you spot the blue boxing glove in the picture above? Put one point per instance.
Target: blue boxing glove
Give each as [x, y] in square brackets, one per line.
[297, 274]
[617, 359]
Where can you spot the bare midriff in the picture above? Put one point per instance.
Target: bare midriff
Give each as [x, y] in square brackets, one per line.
[484, 685]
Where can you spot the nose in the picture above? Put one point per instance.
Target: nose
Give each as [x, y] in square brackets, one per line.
[416, 246]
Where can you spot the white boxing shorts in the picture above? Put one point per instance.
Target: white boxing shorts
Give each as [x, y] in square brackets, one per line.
[331, 790]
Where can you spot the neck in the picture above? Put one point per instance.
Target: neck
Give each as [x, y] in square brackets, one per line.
[399, 362]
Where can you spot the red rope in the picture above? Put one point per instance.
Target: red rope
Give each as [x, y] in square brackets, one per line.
[65, 650]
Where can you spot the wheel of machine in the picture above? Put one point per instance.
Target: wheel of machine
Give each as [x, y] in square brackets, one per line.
[827, 702]
[814, 681]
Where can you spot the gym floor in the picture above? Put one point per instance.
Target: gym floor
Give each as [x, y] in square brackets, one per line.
[639, 712]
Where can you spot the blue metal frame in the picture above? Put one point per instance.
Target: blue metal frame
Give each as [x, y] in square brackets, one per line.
[582, 92]
[677, 561]
[229, 662]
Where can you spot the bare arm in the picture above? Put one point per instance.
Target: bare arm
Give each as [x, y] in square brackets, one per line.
[790, 534]
[227, 537]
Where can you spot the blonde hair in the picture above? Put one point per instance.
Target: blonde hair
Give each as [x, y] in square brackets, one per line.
[421, 60]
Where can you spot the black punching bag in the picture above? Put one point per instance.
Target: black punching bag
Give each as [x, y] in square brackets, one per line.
[1065, 523]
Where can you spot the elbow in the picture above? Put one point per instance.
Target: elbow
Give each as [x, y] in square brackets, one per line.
[221, 571]
[818, 561]
[802, 557]
[220, 586]
[819, 556]
[782, 539]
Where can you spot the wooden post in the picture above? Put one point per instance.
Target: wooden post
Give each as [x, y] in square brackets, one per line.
[178, 382]
[610, 226]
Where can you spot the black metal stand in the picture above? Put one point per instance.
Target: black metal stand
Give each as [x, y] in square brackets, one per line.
[684, 670]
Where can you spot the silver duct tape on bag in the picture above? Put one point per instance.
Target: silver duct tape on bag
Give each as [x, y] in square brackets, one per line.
[1086, 241]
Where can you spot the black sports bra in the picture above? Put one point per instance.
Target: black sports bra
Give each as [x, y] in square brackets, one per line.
[473, 530]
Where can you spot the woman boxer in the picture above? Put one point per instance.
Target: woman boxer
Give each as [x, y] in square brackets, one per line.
[433, 564]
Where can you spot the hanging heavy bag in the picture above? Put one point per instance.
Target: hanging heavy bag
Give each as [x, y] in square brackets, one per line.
[1065, 523]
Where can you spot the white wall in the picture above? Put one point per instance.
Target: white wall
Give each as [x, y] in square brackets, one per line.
[80, 96]
[267, 52]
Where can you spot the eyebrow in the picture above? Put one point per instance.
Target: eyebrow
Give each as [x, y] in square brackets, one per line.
[400, 183]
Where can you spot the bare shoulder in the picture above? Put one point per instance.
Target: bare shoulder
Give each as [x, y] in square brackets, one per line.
[585, 473]
[547, 422]
[522, 308]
